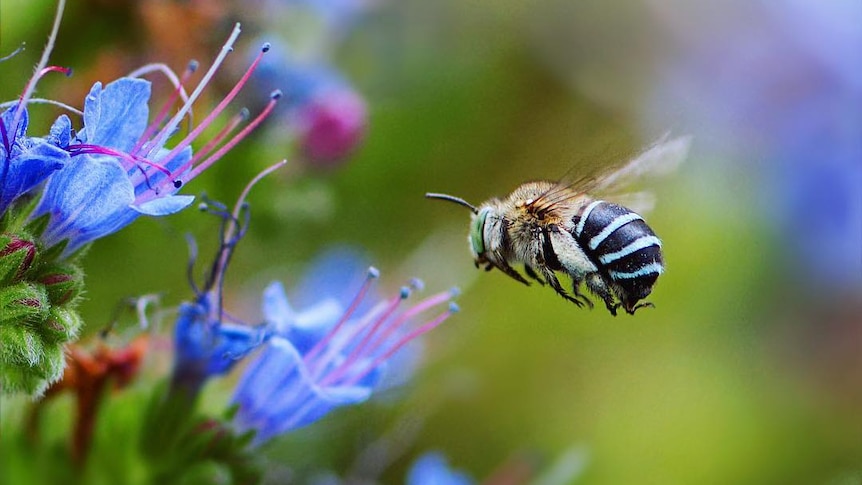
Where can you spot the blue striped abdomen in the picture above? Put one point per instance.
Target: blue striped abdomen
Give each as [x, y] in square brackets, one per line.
[622, 246]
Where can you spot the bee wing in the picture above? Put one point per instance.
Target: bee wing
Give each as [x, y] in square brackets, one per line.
[640, 202]
[661, 158]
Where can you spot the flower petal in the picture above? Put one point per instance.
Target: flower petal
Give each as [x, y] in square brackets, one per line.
[433, 469]
[61, 132]
[165, 205]
[277, 394]
[87, 200]
[28, 168]
[206, 348]
[116, 116]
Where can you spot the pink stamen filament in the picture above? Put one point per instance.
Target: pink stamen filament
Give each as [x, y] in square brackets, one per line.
[207, 163]
[420, 307]
[357, 351]
[232, 124]
[166, 108]
[233, 141]
[212, 116]
[168, 129]
[28, 92]
[131, 160]
[65, 70]
[417, 332]
[363, 290]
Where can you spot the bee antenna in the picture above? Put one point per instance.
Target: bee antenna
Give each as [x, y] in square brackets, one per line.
[452, 198]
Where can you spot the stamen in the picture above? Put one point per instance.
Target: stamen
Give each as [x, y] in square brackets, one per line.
[172, 124]
[418, 332]
[222, 134]
[420, 307]
[369, 333]
[373, 274]
[212, 116]
[65, 70]
[13, 53]
[133, 161]
[52, 102]
[234, 225]
[178, 91]
[233, 141]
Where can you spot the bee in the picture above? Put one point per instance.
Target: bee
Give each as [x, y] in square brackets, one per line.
[551, 227]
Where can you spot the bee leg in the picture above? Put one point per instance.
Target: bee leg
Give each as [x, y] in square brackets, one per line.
[532, 274]
[645, 304]
[552, 280]
[576, 285]
[599, 288]
[504, 267]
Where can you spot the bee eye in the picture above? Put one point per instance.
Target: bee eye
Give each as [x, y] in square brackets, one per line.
[477, 238]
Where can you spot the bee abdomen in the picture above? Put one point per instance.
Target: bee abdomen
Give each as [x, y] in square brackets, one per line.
[621, 245]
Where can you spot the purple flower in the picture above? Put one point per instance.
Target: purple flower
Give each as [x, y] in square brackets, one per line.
[331, 354]
[24, 161]
[321, 110]
[331, 126]
[433, 469]
[120, 167]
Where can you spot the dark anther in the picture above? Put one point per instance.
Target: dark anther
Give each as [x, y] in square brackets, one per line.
[266, 47]
[178, 184]
[193, 65]
[276, 94]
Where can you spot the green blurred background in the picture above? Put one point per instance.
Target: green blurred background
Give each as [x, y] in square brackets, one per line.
[741, 374]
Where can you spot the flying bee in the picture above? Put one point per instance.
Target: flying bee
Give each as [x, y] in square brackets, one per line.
[552, 227]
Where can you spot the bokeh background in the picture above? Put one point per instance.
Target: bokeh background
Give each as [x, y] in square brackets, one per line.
[749, 368]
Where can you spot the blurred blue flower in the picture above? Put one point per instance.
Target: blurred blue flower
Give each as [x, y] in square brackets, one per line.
[26, 162]
[329, 355]
[433, 469]
[120, 168]
[781, 84]
[339, 15]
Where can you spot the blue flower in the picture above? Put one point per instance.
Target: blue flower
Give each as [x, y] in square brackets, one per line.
[206, 343]
[433, 469]
[26, 162]
[206, 346]
[120, 168]
[107, 185]
[331, 354]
